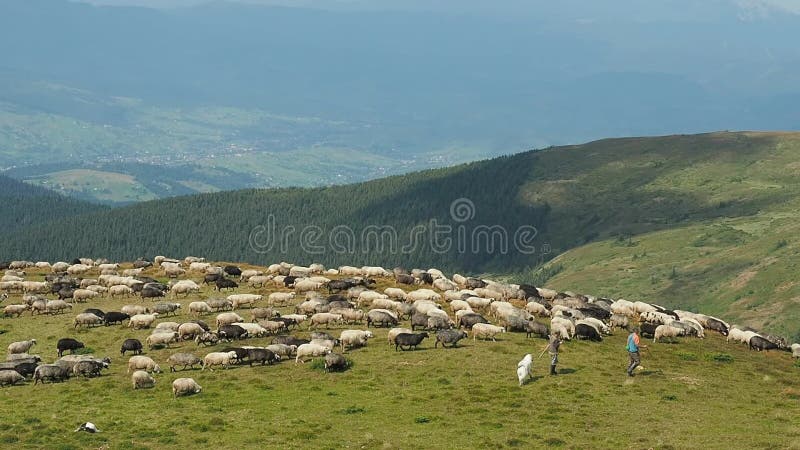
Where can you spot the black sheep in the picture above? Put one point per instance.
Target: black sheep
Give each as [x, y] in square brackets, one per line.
[410, 340]
[131, 345]
[70, 344]
[113, 317]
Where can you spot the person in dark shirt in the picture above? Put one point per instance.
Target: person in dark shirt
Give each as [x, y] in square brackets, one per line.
[552, 348]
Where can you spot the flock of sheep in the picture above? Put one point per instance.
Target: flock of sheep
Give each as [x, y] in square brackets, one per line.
[448, 308]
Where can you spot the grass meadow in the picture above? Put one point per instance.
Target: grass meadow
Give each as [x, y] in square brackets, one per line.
[690, 393]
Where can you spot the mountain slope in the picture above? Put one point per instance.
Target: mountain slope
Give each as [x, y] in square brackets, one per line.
[681, 220]
[25, 206]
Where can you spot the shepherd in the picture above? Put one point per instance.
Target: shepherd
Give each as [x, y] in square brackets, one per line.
[552, 348]
[633, 350]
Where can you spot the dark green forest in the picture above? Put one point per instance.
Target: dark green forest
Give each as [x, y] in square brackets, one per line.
[569, 195]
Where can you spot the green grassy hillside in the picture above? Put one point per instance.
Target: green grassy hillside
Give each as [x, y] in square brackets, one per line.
[690, 394]
[719, 208]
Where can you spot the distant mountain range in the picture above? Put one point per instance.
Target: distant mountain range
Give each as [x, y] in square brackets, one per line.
[123, 104]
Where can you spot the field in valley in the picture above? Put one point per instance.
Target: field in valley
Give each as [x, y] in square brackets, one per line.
[691, 394]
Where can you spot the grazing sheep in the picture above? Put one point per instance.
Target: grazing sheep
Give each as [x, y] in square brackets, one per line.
[10, 377]
[282, 350]
[189, 330]
[223, 359]
[132, 310]
[354, 338]
[537, 309]
[142, 320]
[145, 363]
[280, 298]
[239, 300]
[82, 295]
[272, 327]
[166, 309]
[131, 345]
[312, 350]
[247, 274]
[395, 293]
[89, 368]
[450, 337]
[206, 338]
[21, 346]
[335, 362]
[142, 380]
[619, 321]
[52, 372]
[183, 359]
[157, 339]
[663, 331]
[485, 331]
[185, 386]
[70, 344]
[166, 326]
[253, 329]
[795, 350]
[228, 318]
[199, 308]
[524, 369]
[87, 319]
[324, 319]
[395, 331]
[14, 310]
[409, 340]
[113, 317]
[263, 313]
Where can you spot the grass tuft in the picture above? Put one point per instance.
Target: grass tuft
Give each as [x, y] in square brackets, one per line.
[719, 357]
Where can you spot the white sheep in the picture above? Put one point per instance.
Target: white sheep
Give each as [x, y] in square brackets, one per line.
[282, 350]
[253, 329]
[349, 270]
[223, 359]
[166, 326]
[597, 323]
[56, 306]
[142, 380]
[460, 305]
[485, 331]
[374, 271]
[185, 386]
[354, 338]
[479, 302]
[306, 285]
[189, 330]
[423, 294]
[87, 319]
[395, 293]
[142, 320]
[280, 298]
[259, 280]
[537, 309]
[133, 310]
[145, 363]
[350, 315]
[21, 346]
[324, 319]
[272, 327]
[161, 339]
[14, 310]
[199, 308]
[228, 318]
[60, 266]
[312, 350]
[663, 331]
[121, 290]
[238, 300]
[182, 287]
[795, 350]
[619, 321]
[247, 274]
[80, 295]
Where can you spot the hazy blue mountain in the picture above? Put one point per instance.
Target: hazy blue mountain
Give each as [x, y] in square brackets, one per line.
[377, 88]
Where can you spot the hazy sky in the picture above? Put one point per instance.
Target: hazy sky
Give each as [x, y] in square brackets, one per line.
[455, 5]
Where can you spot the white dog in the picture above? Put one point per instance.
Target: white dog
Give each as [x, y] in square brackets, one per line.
[524, 368]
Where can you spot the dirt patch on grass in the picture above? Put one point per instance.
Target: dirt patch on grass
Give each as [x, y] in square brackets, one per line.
[687, 380]
[743, 278]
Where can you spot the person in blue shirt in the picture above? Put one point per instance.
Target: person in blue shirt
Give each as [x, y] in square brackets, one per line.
[633, 351]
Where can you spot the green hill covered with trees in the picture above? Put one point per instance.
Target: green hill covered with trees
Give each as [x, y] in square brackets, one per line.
[681, 220]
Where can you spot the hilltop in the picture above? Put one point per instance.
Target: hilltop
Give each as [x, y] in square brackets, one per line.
[663, 218]
[693, 390]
